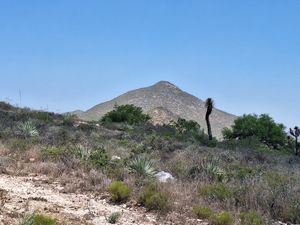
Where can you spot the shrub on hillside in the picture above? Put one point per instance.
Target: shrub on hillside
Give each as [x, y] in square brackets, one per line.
[153, 199]
[218, 191]
[38, 219]
[223, 218]
[202, 212]
[126, 113]
[251, 218]
[119, 191]
[99, 158]
[263, 127]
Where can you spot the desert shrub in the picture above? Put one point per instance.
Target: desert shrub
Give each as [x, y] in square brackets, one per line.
[153, 199]
[38, 219]
[142, 167]
[186, 126]
[99, 158]
[126, 113]
[251, 218]
[6, 106]
[119, 191]
[217, 191]
[69, 119]
[54, 153]
[27, 129]
[243, 172]
[263, 127]
[223, 218]
[17, 144]
[114, 217]
[202, 212]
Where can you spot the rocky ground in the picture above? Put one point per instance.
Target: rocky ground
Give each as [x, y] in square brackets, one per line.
[23, 195]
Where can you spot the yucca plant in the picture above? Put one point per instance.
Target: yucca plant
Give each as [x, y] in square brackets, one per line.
[142, 166]
[27, 129]
[215, 171]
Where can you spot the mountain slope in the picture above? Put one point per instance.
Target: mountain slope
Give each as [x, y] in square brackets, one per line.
[167, 100]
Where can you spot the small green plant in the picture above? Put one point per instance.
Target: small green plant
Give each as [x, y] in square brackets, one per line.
[142, 167]
[119, 191]
[114, 217]
[153, 199]
[99, 158]
[217, 191]
[223, 218]
[27, 130]
[202, 212]
[251, 218]
[54, 153]
[38, 219]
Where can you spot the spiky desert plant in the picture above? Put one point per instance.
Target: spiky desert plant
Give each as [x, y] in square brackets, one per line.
[216, 172]
[27, 129]
[142, 167]
[295, 133]
[209, 104]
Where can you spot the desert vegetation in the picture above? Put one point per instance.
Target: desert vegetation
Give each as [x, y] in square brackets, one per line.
[250, 178]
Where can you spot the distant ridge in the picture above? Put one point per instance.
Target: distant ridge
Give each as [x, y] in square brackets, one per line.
[164, 101]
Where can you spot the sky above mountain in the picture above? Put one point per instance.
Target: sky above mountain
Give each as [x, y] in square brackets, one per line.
[63, 55]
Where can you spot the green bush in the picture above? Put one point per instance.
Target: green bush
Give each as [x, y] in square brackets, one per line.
[126, 113]
[251, 218]
[119, 191]
[153, 199]
[54, 153]
[263, 127]
[202, 212]
[39, 219]
[218, 191]
[223, 218]
[99, 158]
[114, 217]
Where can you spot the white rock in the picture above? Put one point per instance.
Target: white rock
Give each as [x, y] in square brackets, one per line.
[115, 157]
[164, 176]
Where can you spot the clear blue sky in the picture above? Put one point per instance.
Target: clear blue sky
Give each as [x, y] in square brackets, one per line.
[66, 55]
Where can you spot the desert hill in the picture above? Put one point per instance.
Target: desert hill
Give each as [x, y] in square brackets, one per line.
[164, 101]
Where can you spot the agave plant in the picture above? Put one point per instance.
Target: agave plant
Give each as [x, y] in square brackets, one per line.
[84, 152]
[27, 129]
[142, 167]
[215, 171]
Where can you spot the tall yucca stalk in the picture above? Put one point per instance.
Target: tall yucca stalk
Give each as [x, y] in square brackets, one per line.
[142, 167]
[295, 133]
[209, 104]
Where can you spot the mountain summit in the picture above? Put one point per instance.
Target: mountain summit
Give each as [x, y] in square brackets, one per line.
[164, 101]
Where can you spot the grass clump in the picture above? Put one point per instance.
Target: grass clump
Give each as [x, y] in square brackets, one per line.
[153, 199]
[251, 218]
[119, 191]
[202, 212]
[223, 218]
[217, 191]
[114, 217]
[39, 219]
